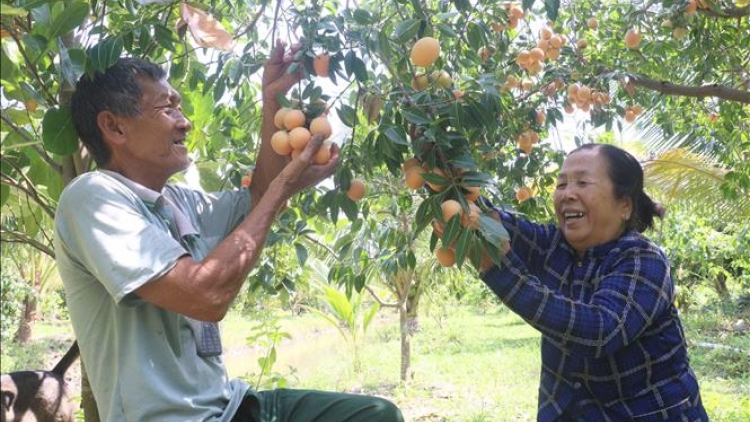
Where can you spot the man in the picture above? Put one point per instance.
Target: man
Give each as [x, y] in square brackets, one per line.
[149, 268]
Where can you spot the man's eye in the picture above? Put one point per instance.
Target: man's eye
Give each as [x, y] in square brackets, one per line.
[561, 185]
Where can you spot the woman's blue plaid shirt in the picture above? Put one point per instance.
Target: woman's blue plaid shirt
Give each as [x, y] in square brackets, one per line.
[613, 348]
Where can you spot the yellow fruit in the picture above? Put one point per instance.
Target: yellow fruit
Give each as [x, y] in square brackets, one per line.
[435, 186]
[321, 64]
[592, 23]
[522, 59]
[299, 137]
[553, 53]
[536, 54]
[540, 117]
[583, 94]
[555, 41]
[516, 13]
[471, 219]
[420, 82]
[278, 118]
[321, 126]
[582, 43]
[409, 164]
[442, 78]
[294, 118]
[497, 27]
[632, 39]
[450, 207]
[679, 33]
[425, 51]
[524, 193]
[445, 256]
[524, 143]
[545, 33]
[629, 116]
[472, 193]
[691, 7]
[356, 190]
[413, 178]
[637, 109]
[280, 143]
[323, 154]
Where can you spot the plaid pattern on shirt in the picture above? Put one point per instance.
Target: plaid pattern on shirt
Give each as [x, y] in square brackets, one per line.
[613, 348]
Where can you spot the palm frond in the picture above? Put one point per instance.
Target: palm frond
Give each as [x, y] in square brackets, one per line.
[688, 180]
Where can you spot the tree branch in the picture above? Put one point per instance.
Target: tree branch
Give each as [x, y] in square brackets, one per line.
[713, 90]
[23, 238]
[378, 299]
[729, 12]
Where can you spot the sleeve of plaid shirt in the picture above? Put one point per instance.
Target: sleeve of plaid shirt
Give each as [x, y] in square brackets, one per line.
[632, 292]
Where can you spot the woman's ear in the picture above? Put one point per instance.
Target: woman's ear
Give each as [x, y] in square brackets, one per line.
[111, 127]
[627, 208]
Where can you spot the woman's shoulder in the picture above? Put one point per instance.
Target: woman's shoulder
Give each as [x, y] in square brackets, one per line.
[633, 242]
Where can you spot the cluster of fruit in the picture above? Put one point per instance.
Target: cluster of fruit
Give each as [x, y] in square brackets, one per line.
[547, 47]
[584, 97]
[294, 133]
[631, 112]
[526, 140]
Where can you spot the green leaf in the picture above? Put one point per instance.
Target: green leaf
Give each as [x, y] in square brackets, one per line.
[69, 19]
[406, 30]
[8, 10]
[72, 63]
[348, 115]
[552, 7]
[416, 118]
[462, 245]
[397, 135]
[301, 253]
[526, 4]
[103, 55]
[362, 17]
[492, 230]
[354, 65]
[8, 70]
[58, 133]
[451, 230]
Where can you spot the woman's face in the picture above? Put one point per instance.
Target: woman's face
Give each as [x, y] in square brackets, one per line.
[587, 212]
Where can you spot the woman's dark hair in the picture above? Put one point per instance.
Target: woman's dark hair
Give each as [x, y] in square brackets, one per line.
[627, 178]
[116, 90]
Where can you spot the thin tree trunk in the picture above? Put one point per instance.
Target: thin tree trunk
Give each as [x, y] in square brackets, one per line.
[26, 324]
[90, 412]
[405, 342]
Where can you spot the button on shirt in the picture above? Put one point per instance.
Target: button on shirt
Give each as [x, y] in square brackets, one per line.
[612, 344]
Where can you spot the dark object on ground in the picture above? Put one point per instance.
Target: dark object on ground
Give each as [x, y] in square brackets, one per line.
[40, 396]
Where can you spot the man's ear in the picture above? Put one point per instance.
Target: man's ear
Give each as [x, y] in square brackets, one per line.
[111, 127]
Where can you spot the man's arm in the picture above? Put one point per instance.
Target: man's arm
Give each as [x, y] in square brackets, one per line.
[204, 290]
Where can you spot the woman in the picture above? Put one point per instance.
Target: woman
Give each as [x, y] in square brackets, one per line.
[613, 348]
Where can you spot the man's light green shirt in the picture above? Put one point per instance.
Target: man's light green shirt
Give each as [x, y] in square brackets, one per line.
[141, 360]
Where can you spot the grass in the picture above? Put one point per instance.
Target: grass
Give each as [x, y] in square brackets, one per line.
[468, 365]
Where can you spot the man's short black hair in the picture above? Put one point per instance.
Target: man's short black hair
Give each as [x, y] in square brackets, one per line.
[116, 90]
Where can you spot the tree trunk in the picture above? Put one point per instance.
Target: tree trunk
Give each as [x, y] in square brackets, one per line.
[90, 412]
[405, 341]
[26, 324]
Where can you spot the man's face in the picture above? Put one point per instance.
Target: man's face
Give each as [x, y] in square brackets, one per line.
[155, 147]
